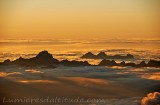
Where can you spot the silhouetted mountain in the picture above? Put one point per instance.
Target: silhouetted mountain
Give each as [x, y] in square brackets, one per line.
[89, 55]
[6, 62]
[103, 55]
[103, 62]
[107, 63]
[129, 56]
[42, 59]
[122, 63]
[46, 60]
[153, 63]
[142, 64]
[127, 64]
[23, 62]
[74, 63]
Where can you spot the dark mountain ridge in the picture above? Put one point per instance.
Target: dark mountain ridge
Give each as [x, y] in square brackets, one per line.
[103, 55]
[46, 59]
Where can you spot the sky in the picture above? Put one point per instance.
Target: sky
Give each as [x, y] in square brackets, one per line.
[80, 19]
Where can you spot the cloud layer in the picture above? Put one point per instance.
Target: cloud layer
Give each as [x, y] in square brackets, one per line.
[151, 99]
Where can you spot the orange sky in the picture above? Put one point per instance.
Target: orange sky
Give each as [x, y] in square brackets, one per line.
[80, 19]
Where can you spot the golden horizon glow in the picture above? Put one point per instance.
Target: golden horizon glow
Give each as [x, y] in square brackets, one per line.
[80, 19]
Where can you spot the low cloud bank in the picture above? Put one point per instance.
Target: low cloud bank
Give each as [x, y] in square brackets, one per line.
[151, 99]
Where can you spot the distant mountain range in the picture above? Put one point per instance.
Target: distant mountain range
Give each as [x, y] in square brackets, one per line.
[46, 60]
[151, 63]
[103, 55]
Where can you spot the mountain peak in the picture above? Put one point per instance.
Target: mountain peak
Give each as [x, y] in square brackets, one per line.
[101, 55]
[44, 57]
[44, 54]
[88, 55]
